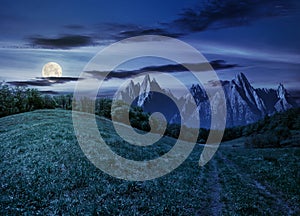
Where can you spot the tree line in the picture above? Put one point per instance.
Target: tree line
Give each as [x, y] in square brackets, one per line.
[268, 132]
[15, 100]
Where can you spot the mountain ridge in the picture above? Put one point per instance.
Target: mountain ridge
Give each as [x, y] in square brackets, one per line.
[245, 104]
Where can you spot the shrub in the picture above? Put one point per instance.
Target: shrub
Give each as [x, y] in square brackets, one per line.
[262, 141]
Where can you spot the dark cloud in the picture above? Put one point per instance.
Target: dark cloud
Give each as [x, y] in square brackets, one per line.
[224, 14]
[97, 35]
[216, 64]
[169, 68]
[221, 64]
[62, 42]
[113, 74]
[44, 81]
[210, 14]
[118, 31]
[148, 31]
[60, 79]
[30, 83]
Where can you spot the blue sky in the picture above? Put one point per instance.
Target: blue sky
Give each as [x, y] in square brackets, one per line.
[261, 37]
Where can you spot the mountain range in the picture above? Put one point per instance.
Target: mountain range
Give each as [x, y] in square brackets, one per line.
[245, 104]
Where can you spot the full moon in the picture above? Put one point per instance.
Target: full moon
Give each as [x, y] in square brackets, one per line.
[52, 69]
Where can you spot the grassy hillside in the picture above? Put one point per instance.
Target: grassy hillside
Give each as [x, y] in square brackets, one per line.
[279, 130]
[43, 171]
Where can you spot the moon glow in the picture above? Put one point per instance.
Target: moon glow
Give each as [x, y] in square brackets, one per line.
[52, 69]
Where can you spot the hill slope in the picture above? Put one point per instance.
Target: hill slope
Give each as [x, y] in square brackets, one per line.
[43, 171]
[279, 130]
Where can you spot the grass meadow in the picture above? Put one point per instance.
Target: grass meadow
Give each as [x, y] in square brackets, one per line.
[43, 171]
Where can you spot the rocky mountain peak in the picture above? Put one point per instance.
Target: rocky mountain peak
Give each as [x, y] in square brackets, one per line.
[198, 93]
[283, 102]
[245, 104]
[146, 81]
[248, 93]
[241, 80]
[281, 91]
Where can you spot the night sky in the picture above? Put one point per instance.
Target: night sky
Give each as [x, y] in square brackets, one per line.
[257, 37]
